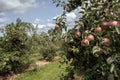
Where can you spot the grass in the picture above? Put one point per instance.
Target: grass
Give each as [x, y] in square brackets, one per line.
[50, 71]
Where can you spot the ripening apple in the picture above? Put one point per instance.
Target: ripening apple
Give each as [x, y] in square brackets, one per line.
[69, 49]
[106, 41]
[98, 29]
[85, 42]
[105, 25]
[113, 23]
[90, 37]
[57, 26]
[77, 34]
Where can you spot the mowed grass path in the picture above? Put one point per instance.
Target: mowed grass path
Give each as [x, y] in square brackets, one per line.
[50, 71]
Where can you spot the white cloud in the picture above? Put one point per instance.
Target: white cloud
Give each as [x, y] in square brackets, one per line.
[41, 21]
[51, 25]
[19, 6]
[49, 20]
[71, 17]
[37, 21]
[44, 27]
[3, 19]
[42, 4]
[41, 26]
[1, 25]
[2, 14]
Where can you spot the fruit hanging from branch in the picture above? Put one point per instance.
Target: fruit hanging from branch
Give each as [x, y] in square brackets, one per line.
[69, 49]
[85, 42]
[57, 26]
[113, 23]
[106, 41]
[90, 37]
[78, 34]
[105, 25]
[98, 29]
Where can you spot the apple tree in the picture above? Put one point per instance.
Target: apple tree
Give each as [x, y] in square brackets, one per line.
[15, 47]
[92, 44]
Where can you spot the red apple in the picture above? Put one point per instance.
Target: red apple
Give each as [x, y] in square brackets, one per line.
[57, 26]
[77, 34]
[69, 49]
[85, 42]
[90, 37]
[113, 23]
[98, 29]
[106, 41]
[105, 25]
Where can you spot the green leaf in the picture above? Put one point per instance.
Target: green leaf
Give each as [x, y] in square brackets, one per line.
[75, 50]
[117, 29]
[115, 72]
[103, 73]
[95, 50]
[110, 60]
[112, 68]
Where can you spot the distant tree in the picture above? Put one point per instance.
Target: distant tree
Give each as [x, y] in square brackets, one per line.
[15, 47]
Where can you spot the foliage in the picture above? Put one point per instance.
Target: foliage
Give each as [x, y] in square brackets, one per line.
[49, 46]
[21, 42]
[97, 56]
[15, 46]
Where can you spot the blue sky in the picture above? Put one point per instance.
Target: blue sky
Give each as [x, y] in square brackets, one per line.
[39, 12]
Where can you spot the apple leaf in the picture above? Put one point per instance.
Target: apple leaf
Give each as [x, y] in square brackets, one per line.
[95, 50]
[112, 68]
[110, 60]
[117, 29]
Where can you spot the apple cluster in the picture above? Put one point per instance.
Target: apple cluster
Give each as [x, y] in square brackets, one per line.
[86, 40]
[111, 23]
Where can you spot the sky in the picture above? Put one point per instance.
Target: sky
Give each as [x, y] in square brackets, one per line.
[39, 12]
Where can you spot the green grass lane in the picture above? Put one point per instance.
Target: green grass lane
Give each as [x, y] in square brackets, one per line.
[50, 71]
